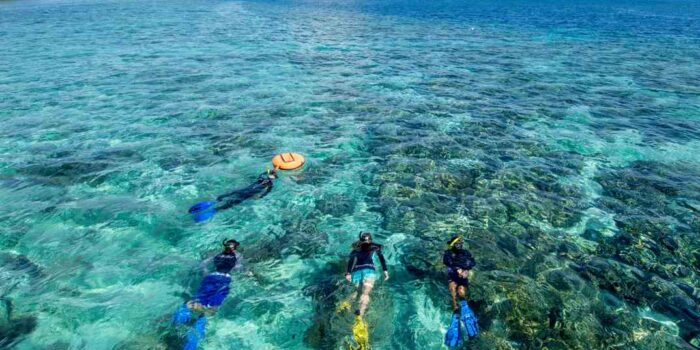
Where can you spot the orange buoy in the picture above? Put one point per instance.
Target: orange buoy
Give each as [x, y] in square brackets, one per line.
[288, 161]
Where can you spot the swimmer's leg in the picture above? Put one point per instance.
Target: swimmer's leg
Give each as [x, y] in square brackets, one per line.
[195, 334]
[182, 315]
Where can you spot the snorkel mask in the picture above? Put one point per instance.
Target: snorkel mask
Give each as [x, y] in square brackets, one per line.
[365, 240]
[365, 237]
[230, 244]
[455, 243]
[272, 173]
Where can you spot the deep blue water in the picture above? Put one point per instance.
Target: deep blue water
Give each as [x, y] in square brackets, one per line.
[560, 138]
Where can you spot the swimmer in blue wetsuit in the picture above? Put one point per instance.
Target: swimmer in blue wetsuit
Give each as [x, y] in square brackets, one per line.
[361, 270]
[210, 295]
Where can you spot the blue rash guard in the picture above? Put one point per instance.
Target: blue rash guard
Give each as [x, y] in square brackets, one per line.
[215, 286]
[458, 259]
[261, 187]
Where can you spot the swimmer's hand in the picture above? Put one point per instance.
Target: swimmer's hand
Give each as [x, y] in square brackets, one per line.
[386, 275]
[249, 274]
[347, 277]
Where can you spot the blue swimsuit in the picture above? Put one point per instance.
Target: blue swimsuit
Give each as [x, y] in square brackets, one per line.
[215, 286]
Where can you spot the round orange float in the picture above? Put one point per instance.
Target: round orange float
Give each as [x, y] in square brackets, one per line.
[288, 161]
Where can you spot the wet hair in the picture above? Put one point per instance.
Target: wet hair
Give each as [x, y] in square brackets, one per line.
[230, 245]
[364, 241]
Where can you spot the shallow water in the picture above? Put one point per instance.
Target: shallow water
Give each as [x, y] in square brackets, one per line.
[561, 140]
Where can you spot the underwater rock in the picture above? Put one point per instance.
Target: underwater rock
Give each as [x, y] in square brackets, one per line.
[328, 326]
[592, 235]
[65, 168]
[13, 327]
[422, 259]
[509, 244]
[688, 289]
[18, 271]
[147, 342]
[682, 271]
[538, 263]
[314, 175]
[564, 280]
[569, 250]
[461, 180]
[695, 341]
[669, 242]
[336, 205]
[299, 236]
[19, 263]
[11, 330]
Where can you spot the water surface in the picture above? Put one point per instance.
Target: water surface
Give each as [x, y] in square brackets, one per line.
[561, 139]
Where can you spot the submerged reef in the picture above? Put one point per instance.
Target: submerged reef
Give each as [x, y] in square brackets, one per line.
[549, 275]
[16, 271]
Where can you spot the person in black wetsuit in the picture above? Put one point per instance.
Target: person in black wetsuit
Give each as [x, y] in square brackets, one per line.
[203, 211]
[361, 270]
[259, 189]
[459, 262]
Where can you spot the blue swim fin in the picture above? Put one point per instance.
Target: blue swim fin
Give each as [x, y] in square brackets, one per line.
[204, 215]
[201, 206]
[195, 334]
[182, 315]
[470, 322]
[453, 337]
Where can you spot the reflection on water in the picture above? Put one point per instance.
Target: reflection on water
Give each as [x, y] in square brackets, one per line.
[560, 140]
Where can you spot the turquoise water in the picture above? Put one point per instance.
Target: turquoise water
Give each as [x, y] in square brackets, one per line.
[560, 139]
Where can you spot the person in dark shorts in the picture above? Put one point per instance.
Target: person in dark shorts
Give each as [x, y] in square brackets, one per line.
[459, 263]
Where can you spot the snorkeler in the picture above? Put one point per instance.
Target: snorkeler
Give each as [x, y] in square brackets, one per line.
[260, 188]
[361, 271]
[210, 295]
[459, 262]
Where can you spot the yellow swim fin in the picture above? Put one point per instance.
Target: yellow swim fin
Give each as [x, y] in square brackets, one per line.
[360, 335]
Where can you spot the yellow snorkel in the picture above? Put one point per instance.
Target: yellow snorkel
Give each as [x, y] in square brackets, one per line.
[454, 241]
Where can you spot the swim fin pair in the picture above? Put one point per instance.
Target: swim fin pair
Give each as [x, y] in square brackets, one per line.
[360, 335]
[203, 211]
[453, 337]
